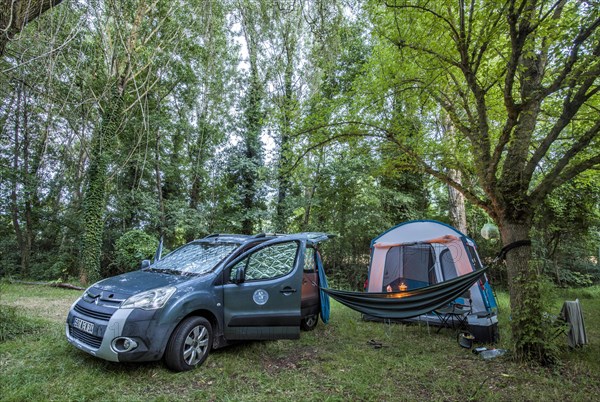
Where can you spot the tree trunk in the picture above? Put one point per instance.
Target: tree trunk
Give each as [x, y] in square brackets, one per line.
[14, 204]
[197, 160]
[28, 194]
[283, 169]
[456, 202]
[309, 194]
[525, 292]
[94, 202]
[159, 186]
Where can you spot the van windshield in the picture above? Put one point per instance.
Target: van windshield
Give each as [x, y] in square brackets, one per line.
[194, 258]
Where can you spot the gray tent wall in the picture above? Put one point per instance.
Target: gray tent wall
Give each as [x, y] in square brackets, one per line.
[452, 253]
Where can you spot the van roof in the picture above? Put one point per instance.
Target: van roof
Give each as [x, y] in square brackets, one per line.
[311, 237]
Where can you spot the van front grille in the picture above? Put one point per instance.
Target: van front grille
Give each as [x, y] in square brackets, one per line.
[99, 315]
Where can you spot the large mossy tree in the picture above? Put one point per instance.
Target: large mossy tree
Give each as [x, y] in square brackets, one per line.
[519, 80]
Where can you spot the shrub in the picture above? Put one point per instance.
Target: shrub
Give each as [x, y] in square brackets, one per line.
[133, 247]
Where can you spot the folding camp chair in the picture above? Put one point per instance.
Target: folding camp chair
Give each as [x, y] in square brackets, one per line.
[455, 315]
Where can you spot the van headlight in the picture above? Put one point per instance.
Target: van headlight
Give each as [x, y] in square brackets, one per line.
[151, 299]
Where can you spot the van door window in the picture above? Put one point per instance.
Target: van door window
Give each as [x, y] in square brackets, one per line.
[309, 260]
[269, 262]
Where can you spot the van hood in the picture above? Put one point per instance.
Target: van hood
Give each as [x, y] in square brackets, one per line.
[131, 283]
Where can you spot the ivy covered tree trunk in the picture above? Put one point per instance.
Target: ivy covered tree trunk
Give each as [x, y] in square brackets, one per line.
[253, 122]
[94, 203]
[524, 279]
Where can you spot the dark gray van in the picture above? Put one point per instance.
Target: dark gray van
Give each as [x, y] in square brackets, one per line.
[203, 295]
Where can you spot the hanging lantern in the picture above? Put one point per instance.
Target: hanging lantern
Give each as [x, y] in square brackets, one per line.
[490, 231]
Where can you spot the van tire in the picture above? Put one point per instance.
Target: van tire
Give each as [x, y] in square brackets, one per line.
[189, 344]
[309, 322]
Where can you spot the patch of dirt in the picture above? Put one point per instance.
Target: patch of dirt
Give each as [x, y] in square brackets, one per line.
[292, 361]
[49, 309]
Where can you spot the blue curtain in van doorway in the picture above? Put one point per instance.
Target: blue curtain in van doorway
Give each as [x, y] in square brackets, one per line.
[323, 296]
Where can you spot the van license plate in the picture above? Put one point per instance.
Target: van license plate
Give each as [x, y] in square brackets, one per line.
[83, 325]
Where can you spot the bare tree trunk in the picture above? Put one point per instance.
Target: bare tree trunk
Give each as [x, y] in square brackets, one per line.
[28, 191]
[456, 202]
[309, 194]
[14, 205]
[159, 189]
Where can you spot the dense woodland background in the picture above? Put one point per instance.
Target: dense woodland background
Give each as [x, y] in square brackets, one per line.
[124, 121]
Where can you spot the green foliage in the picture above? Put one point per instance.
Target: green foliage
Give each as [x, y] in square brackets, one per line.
[133, 247]
[14, 323]
[567, 233]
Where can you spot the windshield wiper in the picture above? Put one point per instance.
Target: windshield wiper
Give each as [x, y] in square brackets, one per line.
[164, 271]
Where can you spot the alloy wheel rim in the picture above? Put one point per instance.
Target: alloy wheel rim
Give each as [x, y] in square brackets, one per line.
[196, 345]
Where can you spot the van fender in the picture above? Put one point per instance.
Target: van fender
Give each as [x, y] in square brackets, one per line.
[185, 306]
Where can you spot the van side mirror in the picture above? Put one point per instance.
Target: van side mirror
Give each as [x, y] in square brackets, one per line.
[145, 264]
[240, 275]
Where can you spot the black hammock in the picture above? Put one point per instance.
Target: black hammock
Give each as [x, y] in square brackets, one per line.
[407, 304]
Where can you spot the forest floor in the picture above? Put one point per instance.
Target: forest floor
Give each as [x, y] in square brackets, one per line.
[333, 362]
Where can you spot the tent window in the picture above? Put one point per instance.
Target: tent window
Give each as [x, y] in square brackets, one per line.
[393, 266]
[417, 261]
[448, 266]
[412, 266]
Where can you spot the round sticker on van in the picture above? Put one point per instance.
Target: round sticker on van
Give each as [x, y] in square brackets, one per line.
[260, 296]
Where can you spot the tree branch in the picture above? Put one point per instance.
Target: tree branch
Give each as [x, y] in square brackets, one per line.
[558, 175]
[427, 10]
[570, 108]
[471, 196]
[583, 35]
[390, 136]
[402, 44]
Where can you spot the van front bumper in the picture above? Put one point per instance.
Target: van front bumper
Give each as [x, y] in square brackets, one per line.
[139, 327]
[104, 333]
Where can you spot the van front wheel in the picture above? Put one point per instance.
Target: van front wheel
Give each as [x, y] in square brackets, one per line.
[189, 344]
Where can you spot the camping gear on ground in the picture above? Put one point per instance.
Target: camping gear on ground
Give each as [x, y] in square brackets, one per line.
[423, 256]
[465, 339]
[571, 313]
[490, 354]
[454, 316]
[375, 344]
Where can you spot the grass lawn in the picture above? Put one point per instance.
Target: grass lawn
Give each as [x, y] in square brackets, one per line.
[334, 362]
